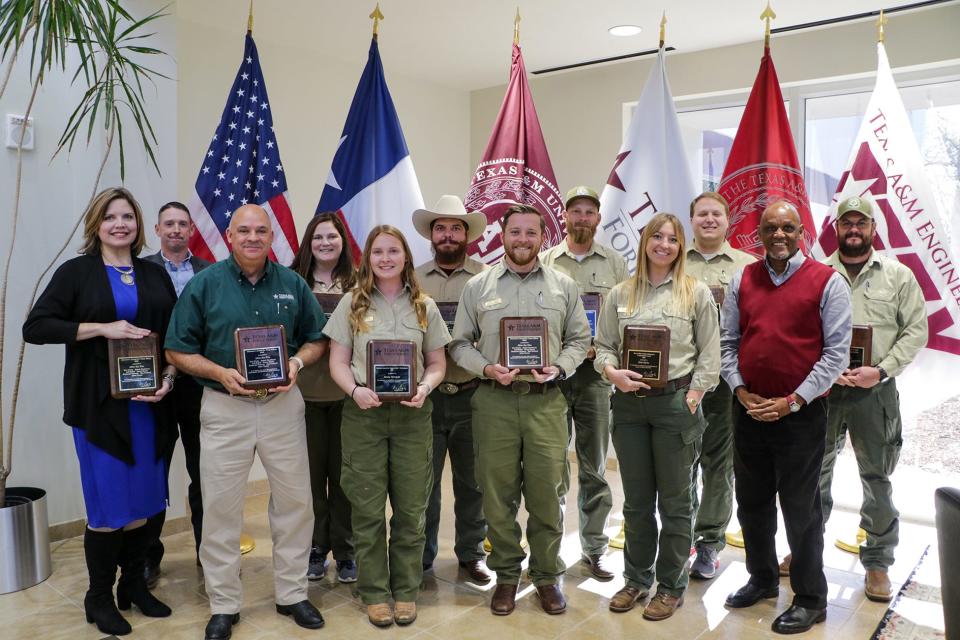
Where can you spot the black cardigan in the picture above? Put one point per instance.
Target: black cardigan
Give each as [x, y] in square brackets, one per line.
[80, 292]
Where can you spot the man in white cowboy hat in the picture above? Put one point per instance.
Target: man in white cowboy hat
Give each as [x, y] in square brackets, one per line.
[449, 228]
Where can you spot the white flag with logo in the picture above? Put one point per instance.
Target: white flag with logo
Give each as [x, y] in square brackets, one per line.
[650, 174]
[886, 165]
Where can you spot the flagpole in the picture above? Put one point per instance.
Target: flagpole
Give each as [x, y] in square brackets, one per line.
[376, 16]
[250, 19]
[767, 16]
[663, 29]
[881, 22]
[516, 28]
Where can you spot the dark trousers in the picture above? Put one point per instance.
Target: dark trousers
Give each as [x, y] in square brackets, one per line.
[331, 509]
[782, 459]
[186, 401]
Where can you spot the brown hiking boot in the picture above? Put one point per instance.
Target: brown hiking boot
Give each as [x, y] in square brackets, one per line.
[876, 585]
[626, 599]
[662, 606]
[785, 565]
[380, 614]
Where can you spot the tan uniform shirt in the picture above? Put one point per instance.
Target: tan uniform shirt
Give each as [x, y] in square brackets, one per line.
[886, 296]
[694, 334]
[386, 321]
[717, 271]
[315, 382]
[435, 282]
[497, 293]
[599, 270]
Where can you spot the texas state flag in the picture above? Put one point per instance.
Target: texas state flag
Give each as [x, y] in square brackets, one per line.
[372, 180]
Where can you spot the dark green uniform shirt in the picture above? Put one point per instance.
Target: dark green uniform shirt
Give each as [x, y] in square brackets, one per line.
[220, 299]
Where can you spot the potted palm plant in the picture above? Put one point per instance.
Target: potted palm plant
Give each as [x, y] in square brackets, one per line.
[110, 46]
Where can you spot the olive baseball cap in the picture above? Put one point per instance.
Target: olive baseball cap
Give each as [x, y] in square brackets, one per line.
[855, 204]
[581, 192]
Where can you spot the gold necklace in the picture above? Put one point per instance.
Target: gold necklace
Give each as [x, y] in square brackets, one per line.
[126, 277]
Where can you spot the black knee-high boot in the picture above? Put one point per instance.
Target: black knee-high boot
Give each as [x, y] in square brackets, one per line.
[132, 587]
[102, 550]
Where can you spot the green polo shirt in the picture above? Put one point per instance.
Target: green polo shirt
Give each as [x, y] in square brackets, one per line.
[220, 299]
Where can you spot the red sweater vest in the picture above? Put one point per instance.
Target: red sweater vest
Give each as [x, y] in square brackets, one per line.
[781, 335]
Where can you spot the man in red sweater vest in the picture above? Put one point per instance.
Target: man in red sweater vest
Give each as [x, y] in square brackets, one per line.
[785, 338]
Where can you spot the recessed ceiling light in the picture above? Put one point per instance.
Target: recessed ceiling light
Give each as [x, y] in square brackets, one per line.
[624, 30]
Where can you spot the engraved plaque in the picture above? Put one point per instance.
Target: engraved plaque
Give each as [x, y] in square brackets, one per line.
[718, 292]
[262, 356]
[524, 343]
[134, 366]
[861, 346]
[646, 350]
[328, 301]
[591, 305]
[448, 311]
[392, 369]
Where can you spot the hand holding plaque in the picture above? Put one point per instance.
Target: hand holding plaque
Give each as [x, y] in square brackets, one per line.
[262, 357]
[591, 305]
[524, 343]
[646, 350]
[861, 346]
[392, 369]
[134, 366]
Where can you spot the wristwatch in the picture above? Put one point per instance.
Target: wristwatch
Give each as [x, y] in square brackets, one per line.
[883, 374]
[793, 403]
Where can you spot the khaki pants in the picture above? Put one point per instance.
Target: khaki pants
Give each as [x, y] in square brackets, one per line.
[232, 430]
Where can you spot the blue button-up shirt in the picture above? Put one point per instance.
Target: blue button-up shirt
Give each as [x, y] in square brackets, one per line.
[179, 274]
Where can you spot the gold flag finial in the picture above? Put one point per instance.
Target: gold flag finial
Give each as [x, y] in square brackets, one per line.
[767, 15]
[250, 19]
[376, 16]
[881, 23]
[516, 28]
[663, 29]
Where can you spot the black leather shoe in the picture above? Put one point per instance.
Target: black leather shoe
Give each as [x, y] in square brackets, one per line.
[749, 595]
[477, 570]
[304, 614]
[798, 619]
[220, 626]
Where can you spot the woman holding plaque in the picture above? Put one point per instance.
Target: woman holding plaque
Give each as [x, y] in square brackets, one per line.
[658, 342]
[387, 344]
[325, 261]
[108, 293]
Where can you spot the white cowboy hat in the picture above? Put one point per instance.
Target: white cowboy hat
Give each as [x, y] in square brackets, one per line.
[450, 207]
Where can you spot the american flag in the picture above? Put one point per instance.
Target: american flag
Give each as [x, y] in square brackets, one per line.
[242, 166]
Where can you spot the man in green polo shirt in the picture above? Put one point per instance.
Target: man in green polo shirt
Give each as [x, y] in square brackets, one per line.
[596, 269]
[864, 401]
[248, 290]
[520, 420]
[713, 261]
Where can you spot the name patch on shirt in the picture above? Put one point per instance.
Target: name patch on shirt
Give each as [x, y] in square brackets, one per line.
[488, 304]
[283, 296]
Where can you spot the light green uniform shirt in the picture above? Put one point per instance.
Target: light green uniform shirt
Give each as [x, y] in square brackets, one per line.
[497, 293]
[435, 282]
[386, 321]
[598, 271]
[887, 297]
[717, 271]
[315, 382]
[694, 334]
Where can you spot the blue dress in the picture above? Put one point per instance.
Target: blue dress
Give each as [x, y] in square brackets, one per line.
[115, 492]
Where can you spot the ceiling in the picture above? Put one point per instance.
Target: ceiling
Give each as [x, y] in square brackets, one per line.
[465, 44]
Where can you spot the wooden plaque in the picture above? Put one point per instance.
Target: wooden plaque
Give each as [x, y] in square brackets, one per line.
[718, 291]
[524, 343]
[591, 304]
[262, 356]
[448, 311]
[861, 346]
[392, 369]
[328, 301]
[134, 366]
[646, 350]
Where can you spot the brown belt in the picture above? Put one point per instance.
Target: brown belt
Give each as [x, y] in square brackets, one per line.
[522, 387]
[672, 385]
[453, 388]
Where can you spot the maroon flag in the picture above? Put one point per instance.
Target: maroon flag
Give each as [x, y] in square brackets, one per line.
[763, 166]
[515, 168]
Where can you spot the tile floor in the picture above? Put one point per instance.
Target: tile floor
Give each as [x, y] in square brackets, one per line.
[449, 607]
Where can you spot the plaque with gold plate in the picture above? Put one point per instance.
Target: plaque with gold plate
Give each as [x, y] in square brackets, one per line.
[861, 346]
[134, 366]
[591, 305]
[448, 311]
[392, 369]
[646, 350]
[262, 357]
[524, 343]
[328, 301]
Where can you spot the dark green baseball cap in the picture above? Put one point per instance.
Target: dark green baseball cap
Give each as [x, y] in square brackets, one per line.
[581, 192]
[855, 204]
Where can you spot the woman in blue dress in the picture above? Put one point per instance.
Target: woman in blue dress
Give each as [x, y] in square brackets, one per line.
[109, 293]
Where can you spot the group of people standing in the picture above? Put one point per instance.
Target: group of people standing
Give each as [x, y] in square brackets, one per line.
[777, 330]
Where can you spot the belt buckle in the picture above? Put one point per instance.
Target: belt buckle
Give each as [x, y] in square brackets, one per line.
[260, 394]
[448, 388]
[520, 387]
